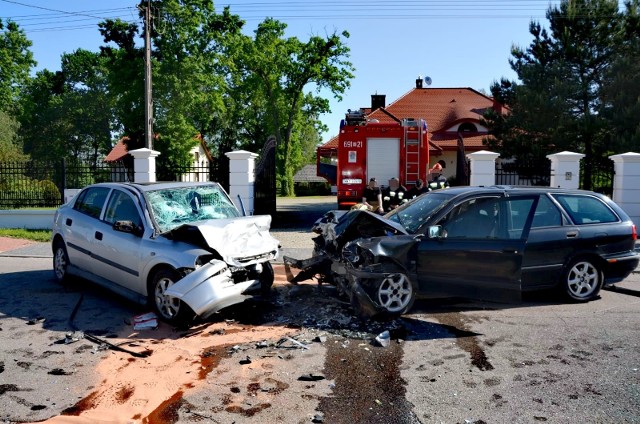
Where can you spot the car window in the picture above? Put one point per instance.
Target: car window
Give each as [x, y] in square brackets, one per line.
[475, 218]
[412, 215]
[546, 214]
[496, 218]
[122, 208]
[585, 209]
[172, 207]
[92, 201]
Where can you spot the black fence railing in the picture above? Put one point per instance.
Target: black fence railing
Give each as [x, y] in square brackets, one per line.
[601, 176]
[526, 173]
[33, 184]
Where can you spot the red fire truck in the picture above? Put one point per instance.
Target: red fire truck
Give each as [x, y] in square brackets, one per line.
[369, 149]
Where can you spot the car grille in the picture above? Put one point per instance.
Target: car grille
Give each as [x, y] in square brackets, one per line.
[261, 257]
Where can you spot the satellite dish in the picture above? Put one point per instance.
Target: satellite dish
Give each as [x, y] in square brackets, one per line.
[427, 80]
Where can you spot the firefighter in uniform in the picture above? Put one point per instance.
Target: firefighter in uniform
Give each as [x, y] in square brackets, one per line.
[394, 195]
[438, 180]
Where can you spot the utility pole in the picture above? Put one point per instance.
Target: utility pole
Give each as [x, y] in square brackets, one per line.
[148, 100]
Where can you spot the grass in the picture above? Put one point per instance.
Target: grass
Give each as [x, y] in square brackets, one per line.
[21, 233]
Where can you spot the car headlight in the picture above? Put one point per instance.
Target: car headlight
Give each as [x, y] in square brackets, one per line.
[203, 260]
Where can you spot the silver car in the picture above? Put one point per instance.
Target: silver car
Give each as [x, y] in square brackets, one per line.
[182, 247]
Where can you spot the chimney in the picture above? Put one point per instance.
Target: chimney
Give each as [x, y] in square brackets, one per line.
[419, 82]
[378, 101]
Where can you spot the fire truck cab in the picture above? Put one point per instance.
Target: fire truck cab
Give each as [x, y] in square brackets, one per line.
[368, 149]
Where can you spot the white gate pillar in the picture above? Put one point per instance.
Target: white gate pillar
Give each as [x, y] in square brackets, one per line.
[144, 165]
[483, 168]
[626, 183]
[565, 169]
[242, 179]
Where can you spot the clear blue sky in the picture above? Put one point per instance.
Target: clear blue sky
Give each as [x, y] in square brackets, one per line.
[458, 43]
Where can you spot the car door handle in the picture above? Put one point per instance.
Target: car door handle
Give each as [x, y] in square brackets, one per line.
[98, 235]
[68, 222]
[572, 234]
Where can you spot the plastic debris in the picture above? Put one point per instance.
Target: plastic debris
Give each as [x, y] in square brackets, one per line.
[310, 377]
[145, 321]
[73, 337]
[318, 418]
[246, 361]
[384, 338]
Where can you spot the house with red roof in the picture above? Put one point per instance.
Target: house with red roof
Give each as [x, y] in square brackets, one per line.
[450, 114]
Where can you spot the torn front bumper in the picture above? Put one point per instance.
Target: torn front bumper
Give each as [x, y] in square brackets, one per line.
[211, 288]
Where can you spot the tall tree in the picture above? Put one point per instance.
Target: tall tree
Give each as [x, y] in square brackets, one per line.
[16, 61]
[282, 69]
[621, 92]
[562, 76]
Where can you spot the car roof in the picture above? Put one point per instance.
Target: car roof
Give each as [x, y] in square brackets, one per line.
[145, 187]
[510, 189]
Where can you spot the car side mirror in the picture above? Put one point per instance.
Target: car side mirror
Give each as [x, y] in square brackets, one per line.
[127, 227]
[436, 232]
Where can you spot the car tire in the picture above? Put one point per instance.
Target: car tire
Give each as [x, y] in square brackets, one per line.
[170, 309]
[395, 294]
[266, 279]
[60, 262]
[582, 280]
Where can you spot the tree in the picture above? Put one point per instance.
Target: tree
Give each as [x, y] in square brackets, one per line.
[562, 74]
[281, 69]
[620, 104]
[10, 150]
[68, 113]
[16, 61]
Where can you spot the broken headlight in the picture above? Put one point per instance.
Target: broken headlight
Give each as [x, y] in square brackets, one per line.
[204, 259]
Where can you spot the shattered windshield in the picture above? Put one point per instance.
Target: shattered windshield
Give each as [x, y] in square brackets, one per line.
[172, 207]
[415, 213]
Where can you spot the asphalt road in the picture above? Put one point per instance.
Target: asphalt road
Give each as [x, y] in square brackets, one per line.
[449, 361]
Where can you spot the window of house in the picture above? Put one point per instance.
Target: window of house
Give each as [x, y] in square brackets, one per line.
[467, 127]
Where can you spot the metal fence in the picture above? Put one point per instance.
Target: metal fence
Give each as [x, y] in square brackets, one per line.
[29, 184]
[526, 173]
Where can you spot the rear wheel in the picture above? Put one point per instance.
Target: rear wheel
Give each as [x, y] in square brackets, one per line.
[170, 309]
[60, 262]
[582, 280]
[395, 294]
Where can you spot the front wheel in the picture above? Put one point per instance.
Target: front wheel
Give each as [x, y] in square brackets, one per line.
[266, 278]
[395, 294]
[60, 262]
[582, 280]
[170, 309]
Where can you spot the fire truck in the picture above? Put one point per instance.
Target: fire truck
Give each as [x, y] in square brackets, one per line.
[368, 149]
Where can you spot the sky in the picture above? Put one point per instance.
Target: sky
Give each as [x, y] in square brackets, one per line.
[456, 43]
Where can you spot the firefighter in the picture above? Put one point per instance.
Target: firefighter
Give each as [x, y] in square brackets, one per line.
[394, 195]
[417, 190]
[438, 180]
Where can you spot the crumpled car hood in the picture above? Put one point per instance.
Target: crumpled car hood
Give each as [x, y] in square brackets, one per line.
[239, 241]
[340, 229]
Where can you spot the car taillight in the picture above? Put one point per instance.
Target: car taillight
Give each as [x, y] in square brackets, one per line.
[634, 232]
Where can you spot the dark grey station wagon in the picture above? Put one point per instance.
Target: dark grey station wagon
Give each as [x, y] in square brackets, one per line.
[474, 242]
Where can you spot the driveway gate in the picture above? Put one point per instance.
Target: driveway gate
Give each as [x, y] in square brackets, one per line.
[265, 180]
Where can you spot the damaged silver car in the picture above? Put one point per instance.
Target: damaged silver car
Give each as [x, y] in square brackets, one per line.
[492, 243]
[183, 248]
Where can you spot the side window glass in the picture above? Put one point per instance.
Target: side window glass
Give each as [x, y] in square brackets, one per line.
[517, 211]
[586, 209]
[122, 208]
[546, 214]
[473, 219]
[92, 201]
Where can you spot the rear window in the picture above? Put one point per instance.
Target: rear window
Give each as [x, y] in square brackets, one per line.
[586, 209]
